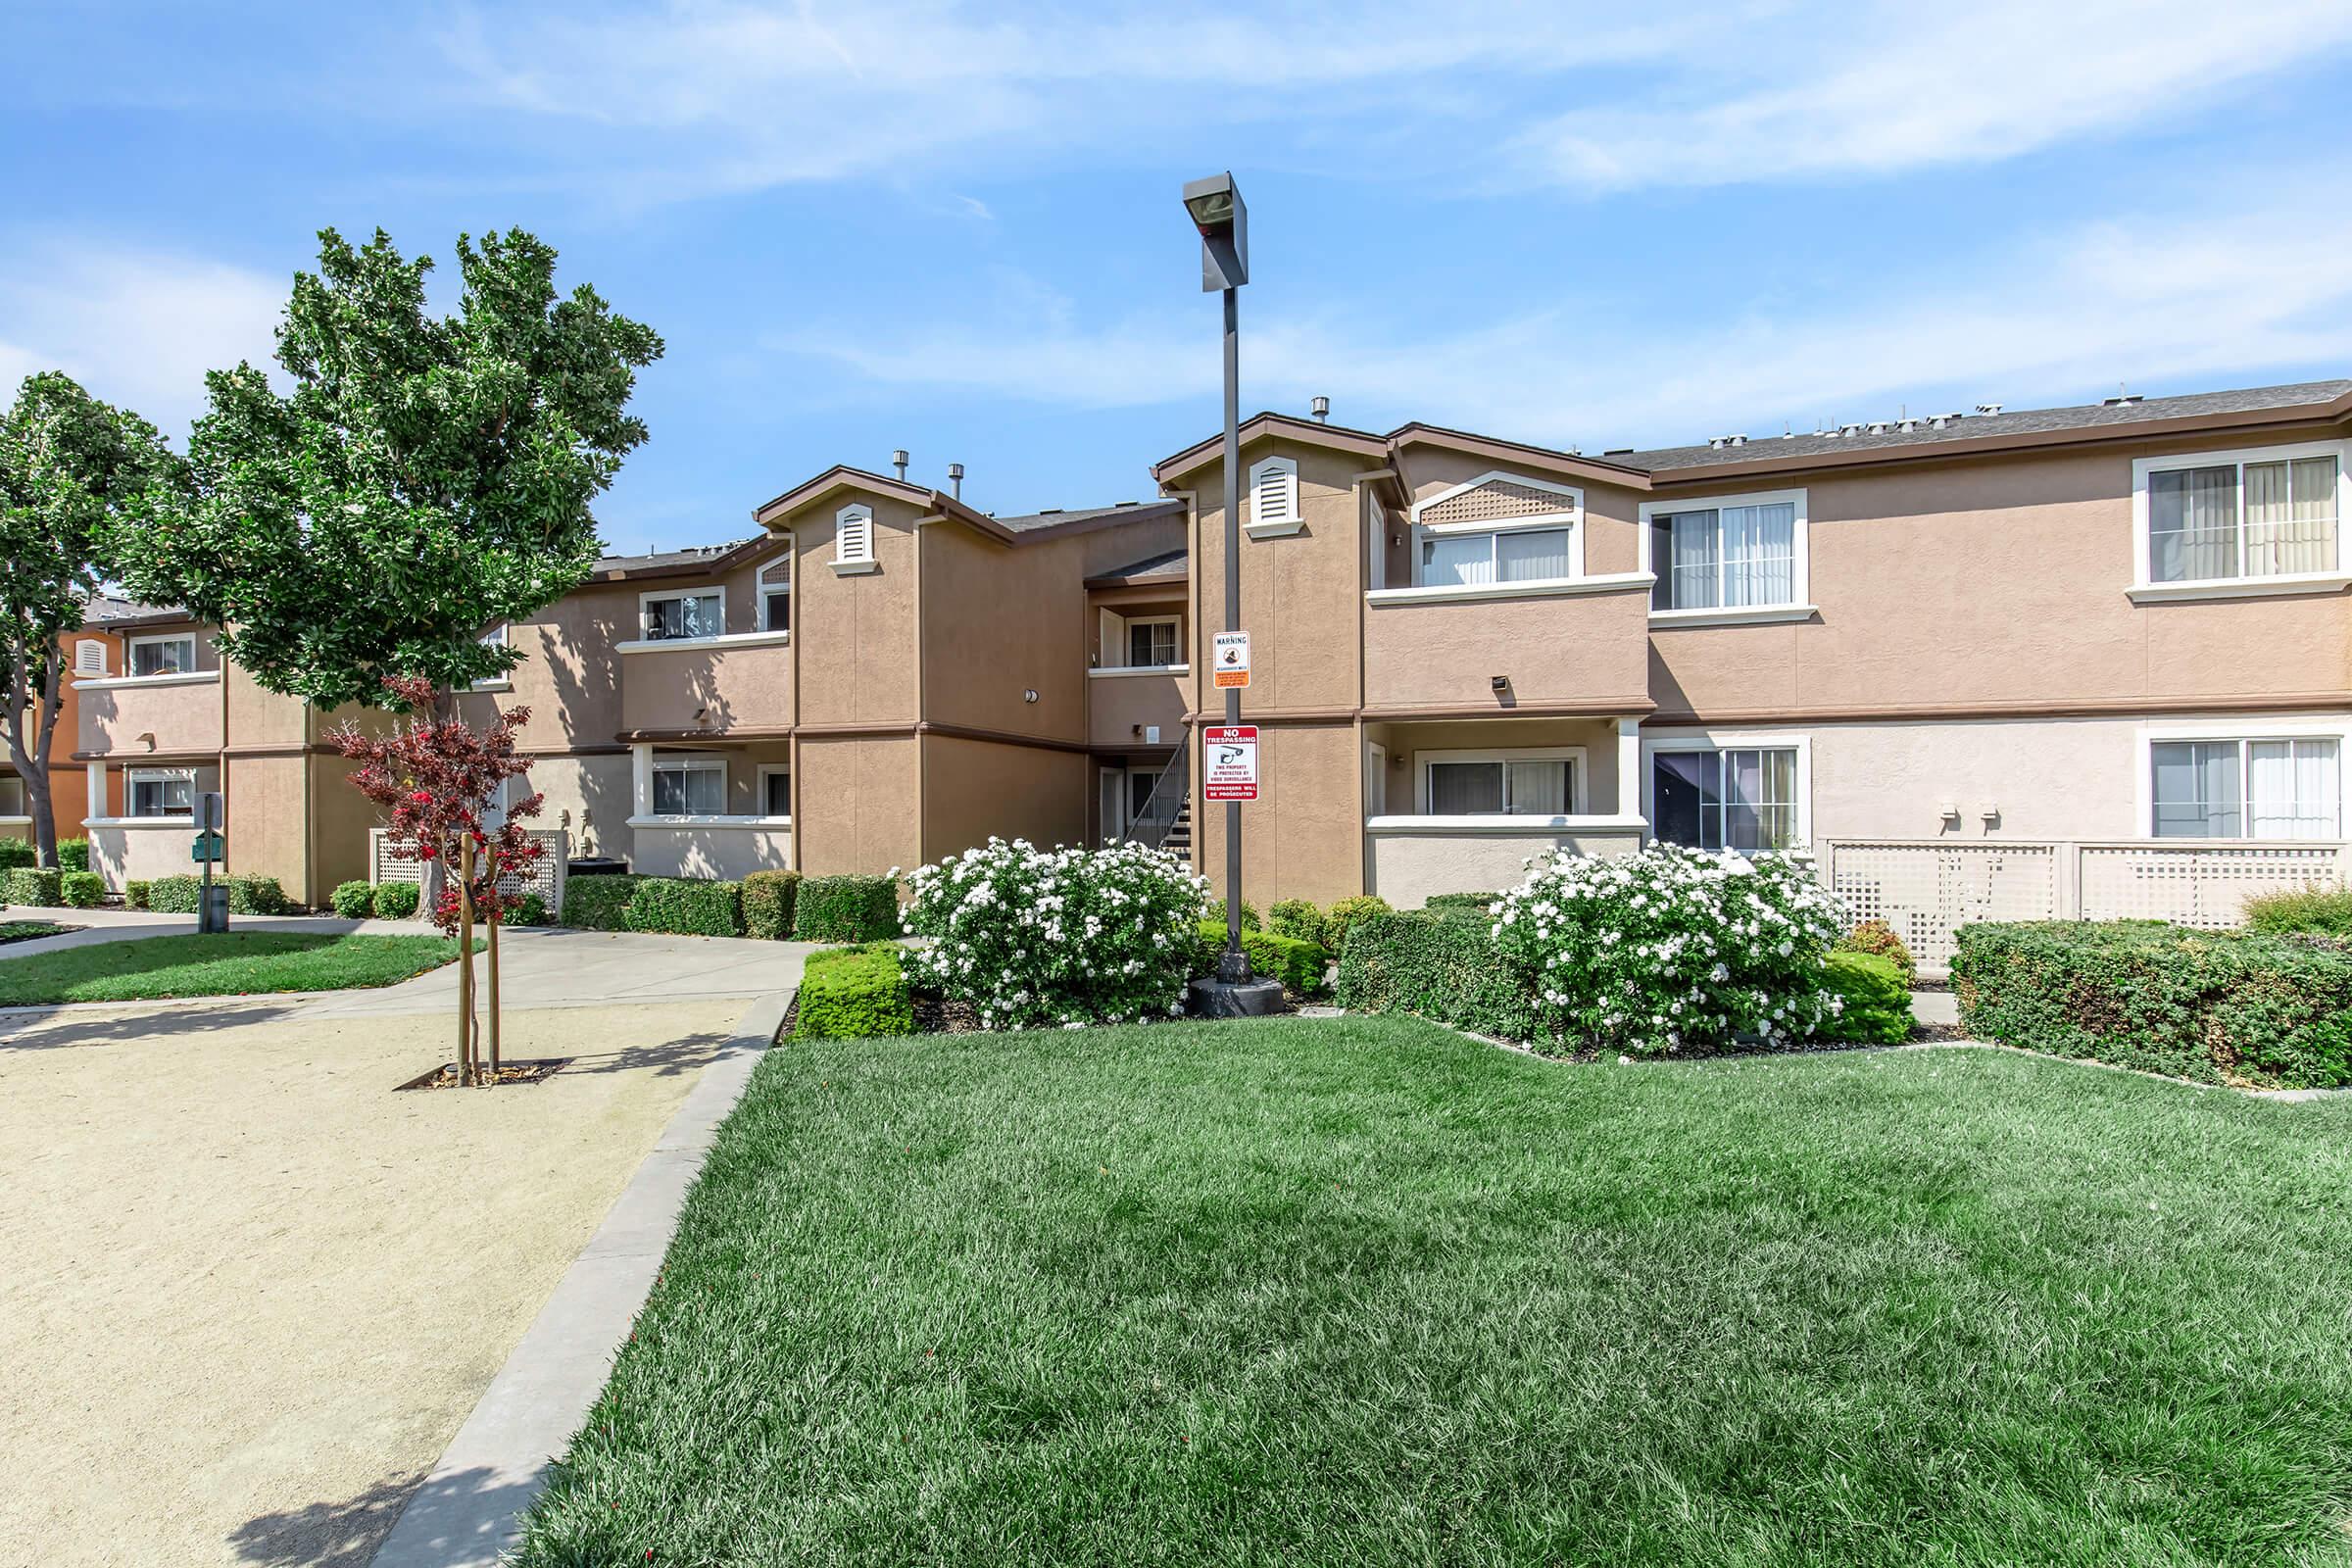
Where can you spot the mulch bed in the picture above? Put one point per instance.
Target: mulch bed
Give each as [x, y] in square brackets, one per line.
[538, 1071]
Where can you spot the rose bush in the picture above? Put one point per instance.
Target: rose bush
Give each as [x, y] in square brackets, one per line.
[1034, 938]
[1673, 947]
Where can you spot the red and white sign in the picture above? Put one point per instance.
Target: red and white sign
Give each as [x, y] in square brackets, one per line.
[1228, 761]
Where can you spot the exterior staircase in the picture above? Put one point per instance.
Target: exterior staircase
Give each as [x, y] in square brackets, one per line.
[1179, 839]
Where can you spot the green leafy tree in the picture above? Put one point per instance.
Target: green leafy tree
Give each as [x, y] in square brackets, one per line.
[68, 465]
[422, 478]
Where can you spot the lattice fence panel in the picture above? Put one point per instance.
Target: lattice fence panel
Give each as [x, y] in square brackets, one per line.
[1495, 500]
[1927, 891]
[546, 878]
[2201, 883]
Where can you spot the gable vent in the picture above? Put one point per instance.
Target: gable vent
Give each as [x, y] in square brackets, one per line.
[854, 534]
[90, 657]
[1274, 492]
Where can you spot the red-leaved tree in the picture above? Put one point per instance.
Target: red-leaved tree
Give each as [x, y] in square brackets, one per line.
[434, 778]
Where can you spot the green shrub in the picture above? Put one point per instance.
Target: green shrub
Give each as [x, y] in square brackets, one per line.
[74, 855]
[354, 901]
[2327, 910]
[1212, 907]
[681, 906]
[173, 895]
[80, 890]
[853, 993]
[768, 899]
[397, 900]
[1342, 916]
[1300, 921]
[1436, 966]
[1299, 965]
[256, 895]
[531, 909]
[134, 894]
[599, 903]
[1876, 1003]
[15, 852]
[1461, 905]
[846, 909]
[35, 885]
[2219, 1007]
[1876, 936]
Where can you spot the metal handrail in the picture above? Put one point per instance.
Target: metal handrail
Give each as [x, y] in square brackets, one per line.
[1171, 793]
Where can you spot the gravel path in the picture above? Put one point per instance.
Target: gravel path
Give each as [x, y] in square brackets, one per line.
[248, 1293]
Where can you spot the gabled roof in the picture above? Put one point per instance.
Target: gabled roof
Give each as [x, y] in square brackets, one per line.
[1171, 565]
[936, 504]
[106, 613]
[1120, 512]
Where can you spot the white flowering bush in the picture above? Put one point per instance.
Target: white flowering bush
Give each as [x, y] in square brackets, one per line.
[1034, 938]
[1673, 947]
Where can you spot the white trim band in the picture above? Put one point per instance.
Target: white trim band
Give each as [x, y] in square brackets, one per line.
[192, 677]
[2299, 582]
[1138, 669]
[746, 822]
[1615, 582]
[1540, 826]
[1736, 616]
[733, 639]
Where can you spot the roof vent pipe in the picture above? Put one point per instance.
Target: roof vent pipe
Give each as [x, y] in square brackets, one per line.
[956, 479]
[1321, 408]
[898, 460]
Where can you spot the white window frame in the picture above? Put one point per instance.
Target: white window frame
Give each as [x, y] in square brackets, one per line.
[130, 655]
[845, 561]
[133, 777]
[2143, 590]
[1732, 740]
[1287, 517]
[768, 770]
[655, 596]
[1570, 517]
[1127, 627]
[764, 587]
[1580, 778]
[1799, 606]
[2240, 732]
[690, 761]
[497, 637]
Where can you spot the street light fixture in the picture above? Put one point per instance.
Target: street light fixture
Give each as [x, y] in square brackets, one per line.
[1217, 210]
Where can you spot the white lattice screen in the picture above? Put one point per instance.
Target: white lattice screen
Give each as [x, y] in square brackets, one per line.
[2203, 884]
[1927, 891]
[1495, 501]
[546, 879]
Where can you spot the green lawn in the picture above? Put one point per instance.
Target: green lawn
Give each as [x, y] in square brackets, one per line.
[27, 930]
[231, 963]
[1362, 1292]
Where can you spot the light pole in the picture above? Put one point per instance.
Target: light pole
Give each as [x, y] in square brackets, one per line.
[1217, 212]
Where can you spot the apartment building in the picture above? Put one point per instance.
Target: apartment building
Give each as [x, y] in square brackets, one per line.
[2073, 661]
[104, 630]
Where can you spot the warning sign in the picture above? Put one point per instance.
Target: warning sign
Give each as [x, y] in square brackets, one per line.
[1230, 655]
[1228, 761]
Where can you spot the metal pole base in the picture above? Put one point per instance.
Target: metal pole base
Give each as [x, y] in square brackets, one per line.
[1226, 999]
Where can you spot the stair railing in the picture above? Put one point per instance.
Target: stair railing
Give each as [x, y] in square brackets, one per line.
[1171, 794]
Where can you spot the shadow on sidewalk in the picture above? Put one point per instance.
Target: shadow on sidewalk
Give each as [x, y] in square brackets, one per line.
[347, 1533]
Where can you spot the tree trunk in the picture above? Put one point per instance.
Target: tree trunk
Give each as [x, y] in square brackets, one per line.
[39, 805]
[29, 755]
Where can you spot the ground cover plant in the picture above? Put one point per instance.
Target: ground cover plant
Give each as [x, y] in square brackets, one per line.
[2321, 909]
[218, 965]
[2220, 1006]
[1360, 1292]
[851, 992]
[28, 930]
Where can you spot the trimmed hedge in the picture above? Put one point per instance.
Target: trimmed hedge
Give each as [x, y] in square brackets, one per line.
[39, 886]
[247, 895]
[1342, 916]
[1461, 905]
[2219, 1006]
[1299, 965]
[767, 902]
[846, 909]
[2327, 910]
[17, 852]
[354, 901]
[1877, 1002]
[681, 907]
[1439, 967]
[1300, 921]
[597, 902]
[72, 855]
[854, 992]
[134, 894]
[396, 901]
[81, 890]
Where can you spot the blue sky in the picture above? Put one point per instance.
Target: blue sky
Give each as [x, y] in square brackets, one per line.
[955, 228]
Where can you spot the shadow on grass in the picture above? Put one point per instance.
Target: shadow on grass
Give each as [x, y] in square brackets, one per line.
[462, 1519]
[56, 1028]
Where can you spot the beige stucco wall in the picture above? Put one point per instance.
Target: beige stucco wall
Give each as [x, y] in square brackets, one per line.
[1407, 869]
[1120, 703]
[728, 854]
[719, 689]
[121, 855]
[270, 820]
[1406, 742]
[976, 790]
[855, 807]
[854, 633]
[182, 716]
[599, 785]
[1302, 838]
[1302, 594]
[341, 818]
[1584, 649]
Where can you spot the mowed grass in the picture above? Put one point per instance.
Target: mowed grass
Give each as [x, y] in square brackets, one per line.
[218, 965]
[1361, 1292]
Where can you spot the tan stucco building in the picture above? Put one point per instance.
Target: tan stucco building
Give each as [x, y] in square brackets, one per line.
[2089, 660]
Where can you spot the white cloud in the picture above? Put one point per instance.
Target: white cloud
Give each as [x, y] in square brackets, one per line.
[136, 328]
[1911, 86]
[2131, 299]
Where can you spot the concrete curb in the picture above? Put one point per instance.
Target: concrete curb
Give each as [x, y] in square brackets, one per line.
[468, 1511]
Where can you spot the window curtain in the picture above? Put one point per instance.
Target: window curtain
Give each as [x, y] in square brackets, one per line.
[1759, 799]
[2290, 516]
[1465, 789]
[2292, 789]
[2193, 524]
[2195, 789]
[689, 792]
[1759, 553]
[1459, 560]
[1532, 557]
[1694, 560]
[1539, 787]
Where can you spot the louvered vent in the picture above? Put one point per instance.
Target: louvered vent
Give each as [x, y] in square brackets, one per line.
[855, 540]
[90, 657]
[1496, 500]
[1274, 491]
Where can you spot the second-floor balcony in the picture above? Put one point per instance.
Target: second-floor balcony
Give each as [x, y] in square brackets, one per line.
[175, 714]
[708, 684]
[1139, 705]
[1573, 645]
